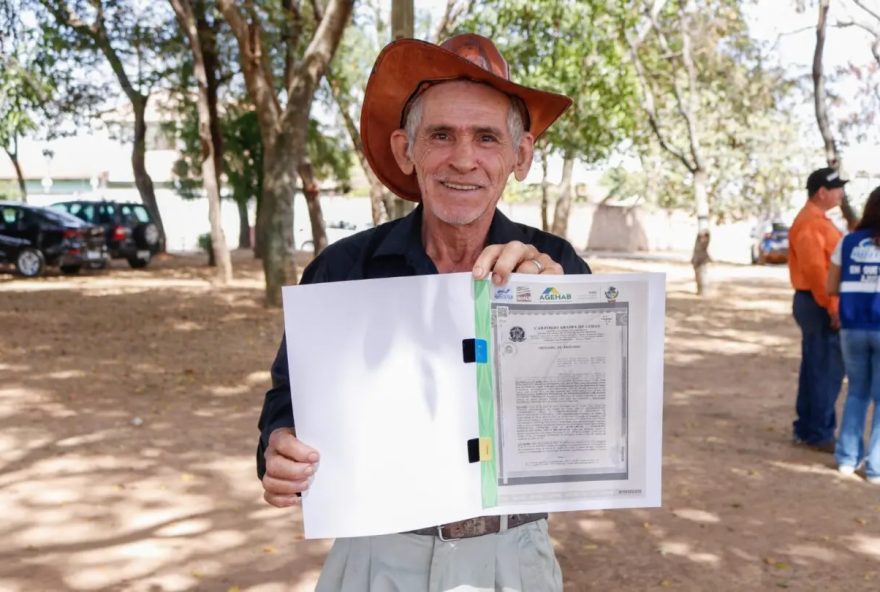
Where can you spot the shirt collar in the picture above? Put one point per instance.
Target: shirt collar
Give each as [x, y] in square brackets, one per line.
[405, 239]
[816, 210]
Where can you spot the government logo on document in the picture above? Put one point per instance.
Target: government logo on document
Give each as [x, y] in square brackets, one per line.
[523, 294]
[611, 294]
[554, 294]
[503, 294]
[517, 334]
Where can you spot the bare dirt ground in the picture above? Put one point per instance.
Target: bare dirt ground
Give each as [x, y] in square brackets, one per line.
[128, 409]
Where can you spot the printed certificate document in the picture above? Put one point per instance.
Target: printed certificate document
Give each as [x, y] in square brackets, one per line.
[436, 398]
[567, 426]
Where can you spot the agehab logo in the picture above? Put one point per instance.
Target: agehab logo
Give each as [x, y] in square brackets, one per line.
[553, 294]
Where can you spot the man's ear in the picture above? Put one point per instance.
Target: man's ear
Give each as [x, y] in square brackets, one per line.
[399, 146]
[524, 153]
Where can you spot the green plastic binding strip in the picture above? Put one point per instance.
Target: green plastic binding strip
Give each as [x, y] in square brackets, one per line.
[485, 394]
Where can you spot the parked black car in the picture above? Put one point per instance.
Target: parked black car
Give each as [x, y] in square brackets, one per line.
[32, 238]
[128, 228]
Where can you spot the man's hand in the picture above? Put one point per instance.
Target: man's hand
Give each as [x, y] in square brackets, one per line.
[835, 321]
[290, 465]
[502, 260]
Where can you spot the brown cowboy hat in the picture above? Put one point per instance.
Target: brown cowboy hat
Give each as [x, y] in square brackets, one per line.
[398, 75]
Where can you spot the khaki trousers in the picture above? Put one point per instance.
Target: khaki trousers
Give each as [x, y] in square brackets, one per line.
[517, 560]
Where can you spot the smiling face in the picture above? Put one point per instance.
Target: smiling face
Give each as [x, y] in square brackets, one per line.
[462, 152]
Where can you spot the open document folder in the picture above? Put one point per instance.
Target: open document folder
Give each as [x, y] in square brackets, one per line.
[438, 398]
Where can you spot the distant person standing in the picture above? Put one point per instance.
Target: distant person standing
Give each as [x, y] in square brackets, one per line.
[812, 238]
[855, 275]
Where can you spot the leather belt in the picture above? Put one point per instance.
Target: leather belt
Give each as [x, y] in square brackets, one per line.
[474, 527]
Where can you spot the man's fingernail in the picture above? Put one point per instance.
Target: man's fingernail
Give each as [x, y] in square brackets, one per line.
[313, 457]
[478, 272]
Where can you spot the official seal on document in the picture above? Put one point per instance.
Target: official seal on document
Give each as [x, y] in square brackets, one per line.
[517, 334]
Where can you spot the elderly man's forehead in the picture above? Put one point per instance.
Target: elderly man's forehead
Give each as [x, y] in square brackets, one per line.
[480, 91]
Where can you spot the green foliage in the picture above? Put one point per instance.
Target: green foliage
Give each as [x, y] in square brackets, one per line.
[39, 86]
[749, 140]
[242, 167]
[243, 153]
[577, 53]
[205, 242]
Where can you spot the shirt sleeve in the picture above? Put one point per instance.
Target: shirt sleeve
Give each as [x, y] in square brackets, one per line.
[812, 251]
[837, 254]
[277, 408]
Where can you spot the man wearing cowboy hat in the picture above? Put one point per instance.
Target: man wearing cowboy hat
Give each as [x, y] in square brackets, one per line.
[443, 126]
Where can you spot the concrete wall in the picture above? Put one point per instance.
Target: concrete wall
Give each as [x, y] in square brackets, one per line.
[591, 227]
[594, 227]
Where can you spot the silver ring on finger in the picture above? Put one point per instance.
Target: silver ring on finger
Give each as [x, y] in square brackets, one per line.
[538, 264]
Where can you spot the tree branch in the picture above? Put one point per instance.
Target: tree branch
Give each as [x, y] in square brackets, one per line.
[861, 5]
[97, 34]
[291, 29]
[648, 104]
[831, 154]
[252, 64]
[691, 109]
[319, 52]
[644, 27]
[450, 17]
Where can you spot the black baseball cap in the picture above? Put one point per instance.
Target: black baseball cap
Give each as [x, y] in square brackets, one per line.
[825, 177]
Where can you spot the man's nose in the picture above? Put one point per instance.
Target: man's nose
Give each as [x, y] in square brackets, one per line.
[464, 156]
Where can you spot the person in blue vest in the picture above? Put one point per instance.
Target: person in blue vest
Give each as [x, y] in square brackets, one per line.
[855, 275]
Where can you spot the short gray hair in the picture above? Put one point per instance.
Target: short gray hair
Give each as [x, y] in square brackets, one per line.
[515, 123]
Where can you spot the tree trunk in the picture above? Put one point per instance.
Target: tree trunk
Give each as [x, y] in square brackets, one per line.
[244, 225]
[402, 19]
[260, 228]
[832, 156]
[379, 196]
[378, 192]
[402, 207]
[138, 164]
[313, 201]
[208, 42]
[279, 187]
[282, 129]
[210, 175]
[19, 175]
[563, 202]
[545, 193]
[700, 257]
[389, 201]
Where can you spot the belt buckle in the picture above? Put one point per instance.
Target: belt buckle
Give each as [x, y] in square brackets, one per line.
[443, 538]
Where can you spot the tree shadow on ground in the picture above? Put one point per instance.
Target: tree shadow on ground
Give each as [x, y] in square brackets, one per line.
[128, 407]
[127, 434]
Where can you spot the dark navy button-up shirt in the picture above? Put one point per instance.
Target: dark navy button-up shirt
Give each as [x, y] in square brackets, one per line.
[393, 249]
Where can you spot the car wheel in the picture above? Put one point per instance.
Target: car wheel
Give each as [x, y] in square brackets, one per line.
[30, 262]
[138, 263]
[70, 269]
[307, 246]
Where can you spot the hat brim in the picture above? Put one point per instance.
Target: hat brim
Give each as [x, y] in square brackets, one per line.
[398, 70]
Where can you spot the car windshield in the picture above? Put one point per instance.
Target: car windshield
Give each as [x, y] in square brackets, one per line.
[83, 211]
[61, 217]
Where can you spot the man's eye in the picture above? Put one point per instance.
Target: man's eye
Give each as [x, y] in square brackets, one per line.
[488, 138]
[439, 136]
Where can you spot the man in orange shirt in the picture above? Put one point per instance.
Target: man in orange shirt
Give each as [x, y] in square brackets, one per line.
[811, 240]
